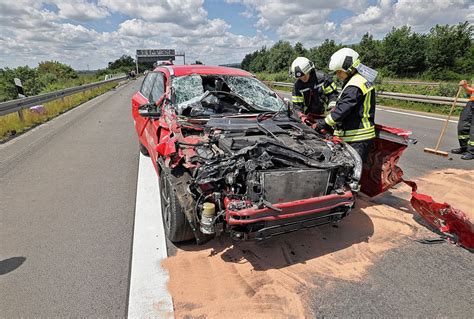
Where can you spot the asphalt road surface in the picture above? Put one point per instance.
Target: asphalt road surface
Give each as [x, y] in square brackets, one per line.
[67, 214]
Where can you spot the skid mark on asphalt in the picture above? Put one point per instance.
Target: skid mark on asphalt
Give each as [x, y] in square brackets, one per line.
[149, 297]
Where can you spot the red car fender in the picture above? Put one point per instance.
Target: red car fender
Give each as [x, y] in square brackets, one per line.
[166, 147]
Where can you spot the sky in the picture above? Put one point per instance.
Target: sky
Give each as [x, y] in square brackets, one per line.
[87, 34]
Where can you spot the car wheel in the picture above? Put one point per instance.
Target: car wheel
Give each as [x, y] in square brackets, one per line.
[143, 149]
[177, 228]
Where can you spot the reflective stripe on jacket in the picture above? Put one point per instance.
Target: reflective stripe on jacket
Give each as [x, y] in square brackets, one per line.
[353, 118]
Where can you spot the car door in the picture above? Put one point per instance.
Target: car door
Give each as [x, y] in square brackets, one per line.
[139, 98]
[152, 126]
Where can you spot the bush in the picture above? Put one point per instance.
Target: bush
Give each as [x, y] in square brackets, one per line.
[446, 89]
[276, 77]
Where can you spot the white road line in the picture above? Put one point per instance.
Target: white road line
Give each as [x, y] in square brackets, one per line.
[149, 296]
[415, 115]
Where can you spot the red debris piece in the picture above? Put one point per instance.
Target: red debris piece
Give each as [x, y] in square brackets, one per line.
[450, 221]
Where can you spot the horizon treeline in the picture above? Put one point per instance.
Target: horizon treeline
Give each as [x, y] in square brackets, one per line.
[446, 53]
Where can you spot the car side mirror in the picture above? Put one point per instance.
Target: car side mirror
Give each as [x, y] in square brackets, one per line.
[149, 110]
[152, 109]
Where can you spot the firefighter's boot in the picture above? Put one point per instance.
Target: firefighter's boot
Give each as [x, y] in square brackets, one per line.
[459, 150]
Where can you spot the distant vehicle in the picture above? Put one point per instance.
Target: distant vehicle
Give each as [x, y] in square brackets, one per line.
[231, 157]
[131, 75]
[158, 63]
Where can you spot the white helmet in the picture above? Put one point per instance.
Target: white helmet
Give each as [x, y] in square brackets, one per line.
[343, 59]
[301, 66]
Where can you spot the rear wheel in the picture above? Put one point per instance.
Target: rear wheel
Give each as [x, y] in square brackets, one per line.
[177, 228]
[143, 149]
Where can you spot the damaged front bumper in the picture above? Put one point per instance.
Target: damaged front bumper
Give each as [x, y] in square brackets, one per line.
[261, 223]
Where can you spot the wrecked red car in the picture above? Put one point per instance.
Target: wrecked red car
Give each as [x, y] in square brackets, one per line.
[231, 157]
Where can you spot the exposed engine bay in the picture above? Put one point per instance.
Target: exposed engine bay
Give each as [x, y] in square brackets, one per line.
[246, 163]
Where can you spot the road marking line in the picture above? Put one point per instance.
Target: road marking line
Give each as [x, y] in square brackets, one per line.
[149, 296]
[415, 115]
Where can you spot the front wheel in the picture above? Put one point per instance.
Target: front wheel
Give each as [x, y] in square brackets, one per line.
[177, 228]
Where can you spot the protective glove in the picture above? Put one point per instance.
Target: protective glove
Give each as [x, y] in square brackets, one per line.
[320, 124]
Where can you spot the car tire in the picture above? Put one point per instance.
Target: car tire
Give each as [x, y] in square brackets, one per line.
[176, 225]
[143, 149]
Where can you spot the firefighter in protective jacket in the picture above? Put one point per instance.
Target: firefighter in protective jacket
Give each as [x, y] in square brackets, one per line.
[353, 117]
[312, 89]
[466, 125]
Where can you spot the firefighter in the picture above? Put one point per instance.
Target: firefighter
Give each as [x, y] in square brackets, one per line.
[353, 118]
[312, 89]
[466, 125]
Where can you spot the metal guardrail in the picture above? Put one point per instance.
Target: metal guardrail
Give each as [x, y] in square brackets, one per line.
[16, 105]
[411, 82]
[113, 76]
[442, 100]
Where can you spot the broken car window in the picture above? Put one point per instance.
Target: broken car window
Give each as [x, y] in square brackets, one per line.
[187, 87]
[212, 94]
[255, 91]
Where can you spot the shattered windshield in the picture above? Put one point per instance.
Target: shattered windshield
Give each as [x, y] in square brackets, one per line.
[213, 94]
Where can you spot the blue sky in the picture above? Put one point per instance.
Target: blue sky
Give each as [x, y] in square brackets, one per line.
[232, 13]
[91, 33]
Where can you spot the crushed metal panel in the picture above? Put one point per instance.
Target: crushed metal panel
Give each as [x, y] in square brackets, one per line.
[450, 221]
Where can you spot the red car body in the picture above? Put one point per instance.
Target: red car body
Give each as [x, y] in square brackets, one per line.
[192, 153]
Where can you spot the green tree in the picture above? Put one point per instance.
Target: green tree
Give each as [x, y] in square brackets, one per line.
[322, 54]
[445, 53]
[404, 52]
[280, 56]
[59, 70]
[247, 60]
[259, 62]
[465, 64]
[370, 51]
[299, 50]
[446, 44]
[28, 77]
[124, 62]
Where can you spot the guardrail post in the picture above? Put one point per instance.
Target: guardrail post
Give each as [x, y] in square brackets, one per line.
[21, 116]
[21, 95]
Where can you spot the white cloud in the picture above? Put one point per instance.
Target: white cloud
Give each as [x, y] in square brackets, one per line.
[80, 10]
[30, 33]
[187, 13]
[420, 15]
[31, 30]
[308, 21]
[305, 21]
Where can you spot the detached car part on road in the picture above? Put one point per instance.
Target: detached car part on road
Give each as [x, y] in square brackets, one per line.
[231, 157]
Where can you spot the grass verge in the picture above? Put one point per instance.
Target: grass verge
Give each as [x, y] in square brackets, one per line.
[11, 125]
